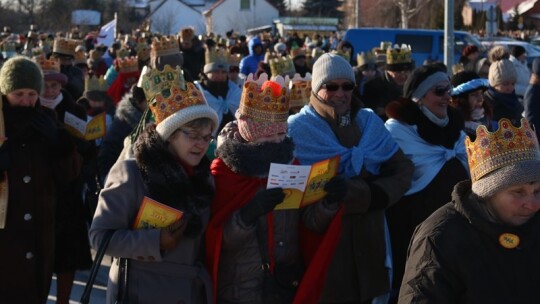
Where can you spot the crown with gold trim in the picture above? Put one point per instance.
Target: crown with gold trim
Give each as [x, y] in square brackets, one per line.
[269, 55]
[142, 49]
[346, 55]
[48, 66]
[296, 52]
[234, 59]
[169, 92]
[92, 83]
[282, 66]
[165, 46]
[366, 58]
[300, 90]
[65, 46]
[217, 55]
[264, 105]
[399, 57]
[122, 53]
[127, 64]
[494, 150]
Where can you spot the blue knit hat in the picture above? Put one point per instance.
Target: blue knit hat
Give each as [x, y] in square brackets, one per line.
[329, 67]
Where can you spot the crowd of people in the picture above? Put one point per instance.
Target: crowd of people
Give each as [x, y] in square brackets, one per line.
[435, 199]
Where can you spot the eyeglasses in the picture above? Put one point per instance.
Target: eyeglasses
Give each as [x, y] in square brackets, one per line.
[196, 137]
[441, 91]
[332, 87]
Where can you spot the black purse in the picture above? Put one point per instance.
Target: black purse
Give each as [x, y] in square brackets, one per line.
[121, 297]
[278, 287]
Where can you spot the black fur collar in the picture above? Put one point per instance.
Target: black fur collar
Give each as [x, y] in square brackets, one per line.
[407, 111]
[253, 159]
[167, 182]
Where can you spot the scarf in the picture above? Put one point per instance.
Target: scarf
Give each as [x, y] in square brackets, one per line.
[428, 158]
[51, 103]
[315, 141]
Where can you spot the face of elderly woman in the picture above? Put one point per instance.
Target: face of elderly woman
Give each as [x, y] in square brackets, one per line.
[22, 98]
[437, 99]
[516, 205]
[190, 144]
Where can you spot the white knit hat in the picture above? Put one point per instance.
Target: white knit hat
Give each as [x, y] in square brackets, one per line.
[330, 67]
[501, 71]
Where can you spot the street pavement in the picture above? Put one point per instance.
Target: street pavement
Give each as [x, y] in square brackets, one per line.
[97, 296]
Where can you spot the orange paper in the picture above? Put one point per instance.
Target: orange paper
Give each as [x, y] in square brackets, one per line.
[153, 214]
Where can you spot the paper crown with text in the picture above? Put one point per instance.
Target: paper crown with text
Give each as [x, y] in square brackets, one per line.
[165, 46]
[173, 101]
[65, 47]
[266, 105]
[399, 58]
[300, 90]
[93, 83]
[494, 150]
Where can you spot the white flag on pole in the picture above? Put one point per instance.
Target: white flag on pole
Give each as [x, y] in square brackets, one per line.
[106, 33]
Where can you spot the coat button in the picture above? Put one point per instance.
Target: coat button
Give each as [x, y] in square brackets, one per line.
[29, 255]
[26, 179]
[27, 217]
[295, 283]
[281, 244]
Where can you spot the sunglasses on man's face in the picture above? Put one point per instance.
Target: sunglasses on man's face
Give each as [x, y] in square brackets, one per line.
[332, 87]
[441, 91]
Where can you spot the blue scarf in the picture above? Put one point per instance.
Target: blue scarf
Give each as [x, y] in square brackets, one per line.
[428, 159]
[315, 141]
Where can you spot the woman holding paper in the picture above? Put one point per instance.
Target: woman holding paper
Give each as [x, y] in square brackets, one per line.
[170, 167]
[253, 251]
[37, 160]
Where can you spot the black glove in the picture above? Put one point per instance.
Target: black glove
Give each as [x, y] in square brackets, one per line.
[336, 189]
[263, 202]
[46, 126]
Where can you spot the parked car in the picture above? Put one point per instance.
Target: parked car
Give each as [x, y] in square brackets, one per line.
[425, 44]
[533, 51]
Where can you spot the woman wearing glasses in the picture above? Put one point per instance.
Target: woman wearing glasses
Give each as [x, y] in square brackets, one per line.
[170, 167]
[430, 133]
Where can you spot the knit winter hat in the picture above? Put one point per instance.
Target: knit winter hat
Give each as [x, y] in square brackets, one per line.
[20, 73]
[173, 101]
[501, 71]
[507, 157]
[422, 80]
[330, 67]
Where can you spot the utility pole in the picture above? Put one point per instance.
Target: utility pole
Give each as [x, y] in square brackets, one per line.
[449, 34]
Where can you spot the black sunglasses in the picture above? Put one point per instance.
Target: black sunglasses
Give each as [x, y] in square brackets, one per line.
[441, 91]
[332, 87]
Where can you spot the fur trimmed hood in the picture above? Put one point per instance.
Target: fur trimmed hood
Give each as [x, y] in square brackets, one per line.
[167, 181]
[128, 112]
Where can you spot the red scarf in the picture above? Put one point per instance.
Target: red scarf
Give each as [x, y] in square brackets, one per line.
[121, 85]
[233, 191]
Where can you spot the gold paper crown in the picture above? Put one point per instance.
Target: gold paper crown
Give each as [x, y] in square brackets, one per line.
[169, 92]
[122, 53]
[48, 66]
[494, 150]
[95, 84]
[269, 55]
[128, 64]
[65, 46]
[234, 59]
[263, 105]
[346, 55]
[295, 52]
[165, 46]
[365, 58]
[300, 90]
[381, 50]
[282, 66]
[399, 55]
[217, 55]
[142, 49]
[80, 58]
